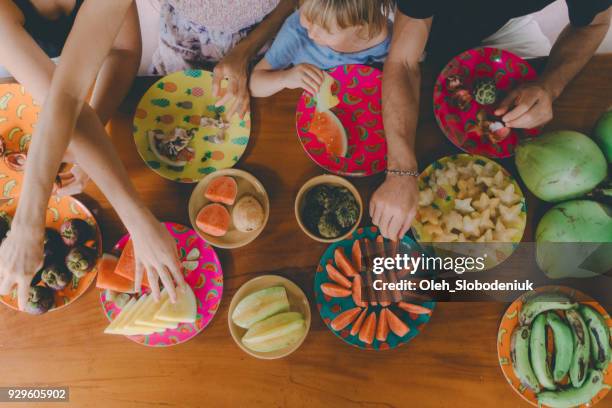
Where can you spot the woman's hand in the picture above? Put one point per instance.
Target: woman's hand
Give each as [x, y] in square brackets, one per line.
[305, 76]
[156, 255]
[233, 68]
[21, 256]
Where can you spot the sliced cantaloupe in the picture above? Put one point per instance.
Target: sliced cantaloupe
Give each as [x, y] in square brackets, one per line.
[260, 305]
[213, 219]
[112, 327]
[184, 310]
[329, 130]
[276, 332]
[325, 98]
[223, 190]
[147, 317]
[108, 279]
[126, 267]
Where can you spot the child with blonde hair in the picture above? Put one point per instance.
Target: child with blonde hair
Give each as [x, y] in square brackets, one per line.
[323, 34]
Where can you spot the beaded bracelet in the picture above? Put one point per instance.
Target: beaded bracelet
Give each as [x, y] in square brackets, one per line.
[411, 173]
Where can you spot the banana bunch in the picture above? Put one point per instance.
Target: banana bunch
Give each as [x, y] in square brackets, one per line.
[581, 350]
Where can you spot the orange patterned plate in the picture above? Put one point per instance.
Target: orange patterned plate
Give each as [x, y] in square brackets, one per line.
[510, 320]
[58, 211]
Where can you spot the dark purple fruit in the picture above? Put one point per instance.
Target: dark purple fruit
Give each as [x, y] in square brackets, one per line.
[54, 250]
[81, 260]
[76, 232]
[57, 277]
[5, 226]
[40, 300]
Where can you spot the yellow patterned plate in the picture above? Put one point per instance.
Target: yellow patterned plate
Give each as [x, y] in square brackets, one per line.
[181, 100]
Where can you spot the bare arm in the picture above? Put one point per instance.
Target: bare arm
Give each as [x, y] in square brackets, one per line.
[235, 65]
[571, 52]
[393, 205]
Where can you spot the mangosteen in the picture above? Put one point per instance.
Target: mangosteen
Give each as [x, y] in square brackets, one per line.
[76, 231]
[81, 260]
[37, 278]
[57, 277]
[5, 226]
[54, 249]
[40, 300]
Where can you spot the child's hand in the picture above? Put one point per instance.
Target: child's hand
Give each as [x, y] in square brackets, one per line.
[305, 76]
[234, 68]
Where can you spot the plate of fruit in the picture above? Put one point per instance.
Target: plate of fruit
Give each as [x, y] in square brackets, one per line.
[341, 128]
[467, 93]
[161, 324]
[470, 199]
[72, 246]
[181, 134]
[553, 346]
[348, 303]
[229, 208]
[269, 317]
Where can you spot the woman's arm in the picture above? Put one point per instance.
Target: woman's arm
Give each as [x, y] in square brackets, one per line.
[235, 65]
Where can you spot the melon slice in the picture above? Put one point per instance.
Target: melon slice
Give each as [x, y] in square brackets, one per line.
[108, 279]
[130, 328]
[120, 319]
[260, 305]
[147, 317]
[325, 98]
[223, 190]
[126, 267]
[276, 332]
[329, 130]
[213, 219]
[184, 310]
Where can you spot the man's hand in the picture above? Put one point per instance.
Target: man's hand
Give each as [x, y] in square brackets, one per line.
[21, 256]
[234, 68]
[528, 106]
[393, 206]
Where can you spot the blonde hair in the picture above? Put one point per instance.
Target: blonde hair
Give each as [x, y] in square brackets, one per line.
[371, 14]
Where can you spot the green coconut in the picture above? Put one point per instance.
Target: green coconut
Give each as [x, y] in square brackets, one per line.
[574, 239]
[603, 134]
[561, 165]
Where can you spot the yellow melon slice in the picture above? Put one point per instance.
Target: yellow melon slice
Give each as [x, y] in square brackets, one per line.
[147, 317]
[120, 319]
[129, 328]
[325, 98]
[184, 310]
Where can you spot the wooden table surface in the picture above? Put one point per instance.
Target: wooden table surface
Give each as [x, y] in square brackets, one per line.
[452, 364]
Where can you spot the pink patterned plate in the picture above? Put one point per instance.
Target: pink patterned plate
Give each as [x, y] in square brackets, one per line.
[359, 89]
[203, 273]
[464, 120]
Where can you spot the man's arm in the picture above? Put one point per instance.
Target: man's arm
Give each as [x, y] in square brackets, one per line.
[393, 205]
[571, 52]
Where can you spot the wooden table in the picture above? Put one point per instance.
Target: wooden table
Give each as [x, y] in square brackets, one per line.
[452, 364]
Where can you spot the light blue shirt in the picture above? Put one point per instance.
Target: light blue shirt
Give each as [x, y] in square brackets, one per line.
[292, 46]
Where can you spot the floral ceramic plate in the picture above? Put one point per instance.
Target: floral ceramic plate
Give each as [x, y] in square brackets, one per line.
[509, 322]
[58, 211]
[468, 91]
[331, 307]
[360, 113]
[203, 273]
[182, 99]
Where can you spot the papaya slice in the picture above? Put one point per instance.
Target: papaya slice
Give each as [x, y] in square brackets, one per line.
[357, 292]
[108, 279]
[412, 308]
[396, 325]
[345, 318]
[382, 328]
[337, 276]
[343, 263]
[366, 334]
[126, 267]
[359, 322]
[213, 219]
[223, 190]
[333, 290]
[357, 256]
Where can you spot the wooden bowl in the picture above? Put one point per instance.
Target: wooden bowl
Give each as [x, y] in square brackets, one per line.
[298, 302]
[247, 185]
[330, 180]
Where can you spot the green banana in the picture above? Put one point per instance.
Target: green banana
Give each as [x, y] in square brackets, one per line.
[573, 397]
[580, 360]
[564, 345]
[519, 353]
[537, 350]
[543, 302]
[599, 334]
